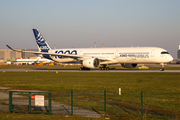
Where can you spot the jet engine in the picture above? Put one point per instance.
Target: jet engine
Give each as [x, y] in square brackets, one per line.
[91, 62]
[128, 65]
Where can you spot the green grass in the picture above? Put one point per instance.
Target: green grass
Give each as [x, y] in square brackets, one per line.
[50, 81]
[161, 90]
[21, 116]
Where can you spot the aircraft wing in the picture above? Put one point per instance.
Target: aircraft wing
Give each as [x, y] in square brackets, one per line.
[57, 54]
[38, 53]
[46, 53]
[104, 59]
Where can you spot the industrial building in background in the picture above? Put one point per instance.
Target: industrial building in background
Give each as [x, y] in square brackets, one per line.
[178, 56]
[8, 55]
[28, 55]
[178, 53]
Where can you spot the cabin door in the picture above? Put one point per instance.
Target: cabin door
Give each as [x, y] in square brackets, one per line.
[152, 53]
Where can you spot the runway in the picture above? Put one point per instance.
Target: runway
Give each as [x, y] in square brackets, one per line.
[77, 70]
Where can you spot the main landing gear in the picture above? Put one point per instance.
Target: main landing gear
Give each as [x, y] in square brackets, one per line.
[84, 68]
[100, 68]
[162, 67]
[104, 67]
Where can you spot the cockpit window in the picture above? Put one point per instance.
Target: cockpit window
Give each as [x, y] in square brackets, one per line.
[164, 52]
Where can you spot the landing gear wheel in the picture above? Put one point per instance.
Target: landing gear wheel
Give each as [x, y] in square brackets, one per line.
[104, 68]
[161, 69]
[84, 68]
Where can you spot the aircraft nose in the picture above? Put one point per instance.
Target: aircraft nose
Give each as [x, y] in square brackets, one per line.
[170, 58]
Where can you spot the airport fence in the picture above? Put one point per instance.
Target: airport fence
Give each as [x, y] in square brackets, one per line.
[24, 101]
[105, 103]
[117, 104]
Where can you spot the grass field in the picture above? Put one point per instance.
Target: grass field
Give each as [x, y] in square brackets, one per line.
[50, 81]
[20, 116]
[161, 90]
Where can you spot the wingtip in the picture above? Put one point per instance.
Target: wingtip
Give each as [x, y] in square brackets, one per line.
[9, 47]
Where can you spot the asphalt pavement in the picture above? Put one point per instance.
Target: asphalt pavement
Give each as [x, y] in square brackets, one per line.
[77, 70]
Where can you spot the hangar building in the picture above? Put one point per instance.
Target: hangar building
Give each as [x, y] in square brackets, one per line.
[6, 54]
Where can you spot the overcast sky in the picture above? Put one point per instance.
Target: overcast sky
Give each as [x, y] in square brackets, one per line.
[80, 23]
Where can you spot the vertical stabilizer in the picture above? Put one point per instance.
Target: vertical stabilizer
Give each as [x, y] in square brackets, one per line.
[42, 44]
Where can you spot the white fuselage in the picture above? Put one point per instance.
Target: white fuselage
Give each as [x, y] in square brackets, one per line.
[116, 55]
[30, 61]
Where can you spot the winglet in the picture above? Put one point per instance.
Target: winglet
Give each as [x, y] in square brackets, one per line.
[9, 47]
[13, 49]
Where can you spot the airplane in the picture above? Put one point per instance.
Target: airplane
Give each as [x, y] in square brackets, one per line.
[31, 61]
[128, 57]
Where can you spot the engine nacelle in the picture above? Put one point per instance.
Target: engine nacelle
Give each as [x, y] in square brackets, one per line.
[128, 65]
[91, 62]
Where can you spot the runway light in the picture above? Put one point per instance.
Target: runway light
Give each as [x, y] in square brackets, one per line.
[48, 70]
[56, 72]
[27, 71]
[4, 71]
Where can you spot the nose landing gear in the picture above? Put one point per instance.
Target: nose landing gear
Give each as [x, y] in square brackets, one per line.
[162, 67]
